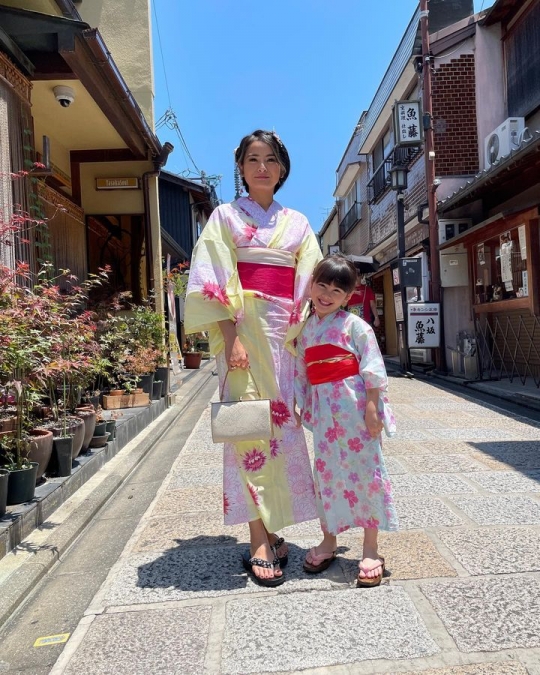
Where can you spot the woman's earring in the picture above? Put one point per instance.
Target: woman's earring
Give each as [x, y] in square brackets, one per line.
[238, 187]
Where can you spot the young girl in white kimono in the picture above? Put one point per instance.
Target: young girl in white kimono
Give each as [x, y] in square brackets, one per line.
[340, 385]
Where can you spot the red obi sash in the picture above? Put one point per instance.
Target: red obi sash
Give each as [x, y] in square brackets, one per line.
[276, 280]
[328, 363]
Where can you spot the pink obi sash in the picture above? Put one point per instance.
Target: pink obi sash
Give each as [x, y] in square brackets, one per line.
[328, 363]
[266, 270]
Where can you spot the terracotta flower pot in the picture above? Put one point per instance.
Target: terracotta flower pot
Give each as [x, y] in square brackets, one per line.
[41, 446]
[192, 360]
[88, 415]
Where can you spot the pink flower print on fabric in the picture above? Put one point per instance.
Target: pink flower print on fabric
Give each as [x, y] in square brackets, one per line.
[353, 477]
[327, 506]
[333, 334]
[296, 314]
[355, 444]
[274, 448]
[307, 416]
[254, 494]
[333, 433]
[320, 465]
[213, 291]
[327, 492]
[280, 412]
[327, 476]
[249, 231]
[351, 497]
[254, 460]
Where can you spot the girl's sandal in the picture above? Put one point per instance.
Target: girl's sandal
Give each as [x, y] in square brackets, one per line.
[366, 582]
[250, 563]
[321, 561]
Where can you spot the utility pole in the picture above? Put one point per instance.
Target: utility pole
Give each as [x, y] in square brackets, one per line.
[429, 155]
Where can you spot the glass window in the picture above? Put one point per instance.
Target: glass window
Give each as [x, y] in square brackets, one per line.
[501, 267]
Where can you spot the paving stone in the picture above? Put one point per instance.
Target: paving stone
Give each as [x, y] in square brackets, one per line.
[506, 481]
[329, 620]
[188, 572]
[474, 433]
[188, 529]
[309, 529]
[413, 435]
[489, 615]
[393, 466]
[494, 551]
[168, 642]
[189, 500]
[501, 668]
[429, 484]
[500, 510]
[408, 555]
[196, 460]
[510, 454]
[394, 446]
[195, 478]
[444, 463]
[423, 512]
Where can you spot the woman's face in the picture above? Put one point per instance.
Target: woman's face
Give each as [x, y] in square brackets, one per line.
[260, 168]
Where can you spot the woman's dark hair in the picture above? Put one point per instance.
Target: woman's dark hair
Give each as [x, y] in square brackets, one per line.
[279, 150]
[338, 270]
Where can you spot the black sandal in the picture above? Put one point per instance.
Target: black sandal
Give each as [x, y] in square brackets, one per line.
[249, 562]
[283, 560]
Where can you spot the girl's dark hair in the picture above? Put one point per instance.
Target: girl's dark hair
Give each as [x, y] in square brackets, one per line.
[279, 150]
[338, 270]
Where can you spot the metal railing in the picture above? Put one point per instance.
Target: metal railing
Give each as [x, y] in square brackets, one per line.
[353, 215]
[508, 347]
[380, 182]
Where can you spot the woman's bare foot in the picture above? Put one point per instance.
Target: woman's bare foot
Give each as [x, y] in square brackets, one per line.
[264, 552]
[371, 567]
[326, 548]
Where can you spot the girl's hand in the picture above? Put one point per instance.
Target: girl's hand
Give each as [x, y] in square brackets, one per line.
[298, 417]
[236, 355]
[373, 424]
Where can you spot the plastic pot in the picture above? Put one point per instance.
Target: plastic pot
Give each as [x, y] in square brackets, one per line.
[111, 429]
[62, 452]
[156, 390]
[100, 429]
[4, 478]
[146, 382]
[22, 484]
[162, 373]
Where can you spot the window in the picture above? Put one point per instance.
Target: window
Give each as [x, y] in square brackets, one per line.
[382, 150]
[522, 48]
[501, 267]
[379, 161]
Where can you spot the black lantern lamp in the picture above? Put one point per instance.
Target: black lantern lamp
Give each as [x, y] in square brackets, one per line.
[398, 175]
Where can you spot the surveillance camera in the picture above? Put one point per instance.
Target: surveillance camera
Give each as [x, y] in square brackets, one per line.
[64, 95]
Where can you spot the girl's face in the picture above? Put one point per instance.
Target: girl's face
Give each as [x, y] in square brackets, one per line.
[327, 298]
[260, 168]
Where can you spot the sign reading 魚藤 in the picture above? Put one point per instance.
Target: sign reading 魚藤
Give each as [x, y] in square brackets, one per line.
[408, 123]
[424, 326]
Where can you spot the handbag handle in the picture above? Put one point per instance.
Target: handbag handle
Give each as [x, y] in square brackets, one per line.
[225, 380]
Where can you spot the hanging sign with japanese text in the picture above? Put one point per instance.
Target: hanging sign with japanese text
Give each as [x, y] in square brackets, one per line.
[408, 123]
[424, 325]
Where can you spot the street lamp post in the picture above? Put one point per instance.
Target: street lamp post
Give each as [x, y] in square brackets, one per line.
[398, 174]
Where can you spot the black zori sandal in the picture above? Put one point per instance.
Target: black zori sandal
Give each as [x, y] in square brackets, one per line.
[249, 563]
[283, 560]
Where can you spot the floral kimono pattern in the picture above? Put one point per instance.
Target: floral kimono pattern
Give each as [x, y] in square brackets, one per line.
[272, 479]
[351, 481]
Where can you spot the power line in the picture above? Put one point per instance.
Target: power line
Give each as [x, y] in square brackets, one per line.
[161, 51]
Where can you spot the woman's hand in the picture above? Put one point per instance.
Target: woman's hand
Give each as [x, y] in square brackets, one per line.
[236, 355]
[373, 423]
[298, 418]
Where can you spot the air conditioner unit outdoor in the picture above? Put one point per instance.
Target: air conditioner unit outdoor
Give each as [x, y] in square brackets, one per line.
[505, 138]
[448, 229]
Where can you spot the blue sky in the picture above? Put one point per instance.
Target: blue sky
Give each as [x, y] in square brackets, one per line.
[306, 68]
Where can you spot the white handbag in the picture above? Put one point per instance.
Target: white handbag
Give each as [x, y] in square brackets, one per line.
[235, 421]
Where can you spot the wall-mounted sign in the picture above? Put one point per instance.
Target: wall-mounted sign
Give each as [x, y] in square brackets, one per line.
[131, 183]
[424, 325]
[333, 248]
[408, 125]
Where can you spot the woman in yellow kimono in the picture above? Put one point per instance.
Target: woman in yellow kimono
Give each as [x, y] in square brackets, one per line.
[248, 287]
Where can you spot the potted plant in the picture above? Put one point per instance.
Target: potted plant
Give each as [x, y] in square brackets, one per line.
[4, 477]
[191, 355]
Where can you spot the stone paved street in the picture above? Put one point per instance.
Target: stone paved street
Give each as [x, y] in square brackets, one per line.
[461, 595]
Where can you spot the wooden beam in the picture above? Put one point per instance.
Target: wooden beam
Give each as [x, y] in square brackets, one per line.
[105, 155]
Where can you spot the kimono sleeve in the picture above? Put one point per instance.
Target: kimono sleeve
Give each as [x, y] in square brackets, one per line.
[308, 256]
[372, 368]
[302, 386]
[214, 292]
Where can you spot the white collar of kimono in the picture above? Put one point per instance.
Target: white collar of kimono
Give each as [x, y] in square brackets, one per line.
[257, 212]
[265, 256]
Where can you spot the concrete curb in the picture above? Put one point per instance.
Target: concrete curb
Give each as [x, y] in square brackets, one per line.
[19, 577]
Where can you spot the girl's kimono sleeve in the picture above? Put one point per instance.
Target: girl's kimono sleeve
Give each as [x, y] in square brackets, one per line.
[302, 386]
[372, 367]
[373, 370]
[214, 292]
[307, 257]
